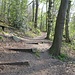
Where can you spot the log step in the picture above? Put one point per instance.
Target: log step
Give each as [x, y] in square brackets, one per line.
[33, 43]
[24, 50]
[15, 63]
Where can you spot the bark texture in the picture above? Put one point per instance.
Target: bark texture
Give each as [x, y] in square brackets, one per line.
[67, 24]
[57, 42]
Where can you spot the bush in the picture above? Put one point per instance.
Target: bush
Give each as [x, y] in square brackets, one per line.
[36, 31]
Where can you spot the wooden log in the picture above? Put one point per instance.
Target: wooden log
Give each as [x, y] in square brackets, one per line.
[15, 63]
[33, 43]
[31, 50]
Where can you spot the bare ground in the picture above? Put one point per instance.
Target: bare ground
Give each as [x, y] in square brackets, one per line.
[39, 64]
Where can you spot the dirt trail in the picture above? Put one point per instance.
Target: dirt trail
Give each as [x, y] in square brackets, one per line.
[40, 63]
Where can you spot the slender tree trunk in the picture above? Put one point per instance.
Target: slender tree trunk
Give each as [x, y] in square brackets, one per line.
[49, 19]
[41, 24]
[46, 16]
[4, 10]
[57, 42]
[33, 12]
[8, 11]
[36, 15]
[53, 15]
[67, 24]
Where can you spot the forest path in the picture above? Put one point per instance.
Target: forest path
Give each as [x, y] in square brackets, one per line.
[42, 36]
[40, 63]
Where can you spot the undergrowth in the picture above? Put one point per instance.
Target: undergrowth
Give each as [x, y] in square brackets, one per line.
[62, 57]
[30, 34]
[65, 51]
[33, 33]
[1, 38]
[37, 53]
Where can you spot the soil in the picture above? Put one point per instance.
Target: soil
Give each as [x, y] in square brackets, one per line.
[40, 62]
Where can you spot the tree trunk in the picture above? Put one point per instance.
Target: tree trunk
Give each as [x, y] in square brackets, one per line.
[67, 24]
[3, 10]
[36, 15]
[33, 12]
[57, 42]
[49, 19]
[46, 16]
[8, 12]
[41, 24]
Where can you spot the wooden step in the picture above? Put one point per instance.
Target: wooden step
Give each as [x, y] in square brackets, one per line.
[33, 43]
[31, 50]
[15, 63]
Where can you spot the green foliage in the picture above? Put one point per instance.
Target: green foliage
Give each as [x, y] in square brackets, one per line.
[43, 1]
[37, 53]
[36, 31]
[70, 46]
[1, 37]
[62, 57]
[73, 44]
[30, 34]
[13, 11]
[72, 26]
[33, 32]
